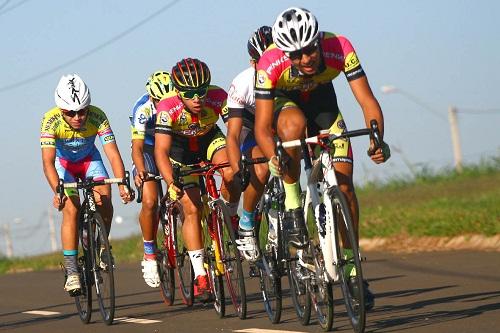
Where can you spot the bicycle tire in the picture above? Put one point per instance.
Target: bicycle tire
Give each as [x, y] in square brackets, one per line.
[301, 298]
[183, 265]
[354, 303]
[103, 269]
[164, 238]
[83, 301]
[216, 284]
[231, 259]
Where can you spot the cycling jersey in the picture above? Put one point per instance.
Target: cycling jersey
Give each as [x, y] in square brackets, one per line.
[241, 97]
[275, 70]
[143, 119]
[70, 144]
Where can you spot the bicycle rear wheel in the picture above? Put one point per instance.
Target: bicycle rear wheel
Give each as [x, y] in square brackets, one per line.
[185, 271]
[298, 277]
[231, 259]
[164, 239]
[83, 301]
[348, 260]
[321, 291]
[103, 269]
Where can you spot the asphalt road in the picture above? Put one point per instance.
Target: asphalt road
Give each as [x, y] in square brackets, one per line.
[425, 292]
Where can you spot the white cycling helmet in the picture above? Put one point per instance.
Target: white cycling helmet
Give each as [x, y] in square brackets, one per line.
[72, 93]
[294, 29]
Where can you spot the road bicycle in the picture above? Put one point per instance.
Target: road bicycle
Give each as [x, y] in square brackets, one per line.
[222, 258]
[278, 257]
[95, 263]
[171, 254]
[335, 253]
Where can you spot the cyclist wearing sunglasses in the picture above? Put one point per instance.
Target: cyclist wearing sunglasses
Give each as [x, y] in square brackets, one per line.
[294, 96]
[67, 136]
[241, 140]
[186, 133]
[143, 119]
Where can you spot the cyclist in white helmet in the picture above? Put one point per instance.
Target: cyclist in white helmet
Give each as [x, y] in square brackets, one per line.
[240, 139]
[143, 119]
[67, 138]
[294, 96]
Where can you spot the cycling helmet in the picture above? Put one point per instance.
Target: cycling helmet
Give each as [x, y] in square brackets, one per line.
[72, 93]
[294, 29]
[190, 74]
[258, 42]
[159, 85]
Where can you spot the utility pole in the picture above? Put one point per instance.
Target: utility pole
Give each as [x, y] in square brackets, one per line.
[52, 231]
[455, 138]
[8, 240]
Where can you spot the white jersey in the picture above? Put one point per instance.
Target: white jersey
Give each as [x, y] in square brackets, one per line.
[241, 97]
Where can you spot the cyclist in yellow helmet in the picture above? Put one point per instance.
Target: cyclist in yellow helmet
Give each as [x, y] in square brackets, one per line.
[143, 118]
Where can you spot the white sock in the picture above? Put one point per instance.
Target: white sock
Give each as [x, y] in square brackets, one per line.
[197, 257]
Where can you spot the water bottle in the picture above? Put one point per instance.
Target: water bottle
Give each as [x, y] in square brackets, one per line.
[273, 220]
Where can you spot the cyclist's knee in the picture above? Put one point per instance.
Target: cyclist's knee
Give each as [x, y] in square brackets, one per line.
[149, 204]
[291, 124]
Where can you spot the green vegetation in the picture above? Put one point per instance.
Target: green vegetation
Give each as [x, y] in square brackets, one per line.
[441, 203]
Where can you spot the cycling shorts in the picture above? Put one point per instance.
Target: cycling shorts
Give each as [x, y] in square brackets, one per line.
[247, 139]
[149, 161]
[321, 111]
[90, 166]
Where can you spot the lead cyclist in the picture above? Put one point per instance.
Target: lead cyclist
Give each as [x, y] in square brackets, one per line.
[295, 97]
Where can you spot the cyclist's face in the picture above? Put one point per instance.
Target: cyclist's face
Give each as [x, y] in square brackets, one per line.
[75, 119]
[195, 104]
[306, 60]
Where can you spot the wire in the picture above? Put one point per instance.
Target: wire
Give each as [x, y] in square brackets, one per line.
[11, 7]
[4, 4]
[477, 111]
[88, 53]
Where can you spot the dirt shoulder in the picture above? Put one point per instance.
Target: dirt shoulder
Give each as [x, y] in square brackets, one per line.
[409, 244]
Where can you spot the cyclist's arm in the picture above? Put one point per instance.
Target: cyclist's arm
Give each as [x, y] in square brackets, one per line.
[115, 159]
[264, 126]
[49, 169]
[138, 156]
[163, 142]
[369, 104]
[234, 126]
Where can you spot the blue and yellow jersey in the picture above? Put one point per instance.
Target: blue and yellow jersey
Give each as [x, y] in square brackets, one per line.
[70, 144]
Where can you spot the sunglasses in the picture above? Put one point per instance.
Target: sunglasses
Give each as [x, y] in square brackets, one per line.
[308, 50]
[190, 94]
[72, 114]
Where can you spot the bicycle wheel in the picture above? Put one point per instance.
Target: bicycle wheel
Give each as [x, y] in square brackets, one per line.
[216, 284]
[348, 260]
[297, 279]
[164, 238]
[321, 291]
[103, 269]
[231, 259]
[83, 302]
[185, 271]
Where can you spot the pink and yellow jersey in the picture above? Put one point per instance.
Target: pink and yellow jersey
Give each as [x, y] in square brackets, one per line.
[275, 70]
[74, 145]
[174, 119]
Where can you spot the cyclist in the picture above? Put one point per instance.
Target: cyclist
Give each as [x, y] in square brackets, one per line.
[143, 119]
[294, 96]
[186, 133]
[67, 138]
[240, 139]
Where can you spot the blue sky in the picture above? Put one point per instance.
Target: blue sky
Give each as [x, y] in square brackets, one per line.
[444, 53]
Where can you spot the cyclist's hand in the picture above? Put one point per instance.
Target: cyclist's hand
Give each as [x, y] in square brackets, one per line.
[242, 179]
[125, 194]
[140, 177]
[380, 155]
[57, 202]
[274, 166]
[178, 192]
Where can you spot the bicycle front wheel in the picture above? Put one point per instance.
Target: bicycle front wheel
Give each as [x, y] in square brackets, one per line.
[231, 259]
[103, 269]
[185, 271]
[348, 260]
[164, 239]
[83, 301]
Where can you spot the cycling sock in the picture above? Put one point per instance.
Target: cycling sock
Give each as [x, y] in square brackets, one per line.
[350, 269]
[292, 195]
[197, 257]
[247, 220]
[149, 249]
[70, 261]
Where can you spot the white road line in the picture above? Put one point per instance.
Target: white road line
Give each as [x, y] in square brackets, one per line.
[42, 313]
[262, 330]
[137, 321]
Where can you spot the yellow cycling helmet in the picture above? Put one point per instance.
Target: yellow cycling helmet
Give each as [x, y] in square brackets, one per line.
[159, 85]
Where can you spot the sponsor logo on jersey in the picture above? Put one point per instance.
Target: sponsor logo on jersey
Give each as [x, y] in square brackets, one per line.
[333, 55]
[276, 63]
[351, 61]
[163, 118]
[261, 77]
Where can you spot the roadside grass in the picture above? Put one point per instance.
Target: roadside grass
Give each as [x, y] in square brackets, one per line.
[433, 203]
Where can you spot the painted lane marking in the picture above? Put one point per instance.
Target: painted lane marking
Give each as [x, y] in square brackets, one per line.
[262, 330]
[42, 313]
[137, 321]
